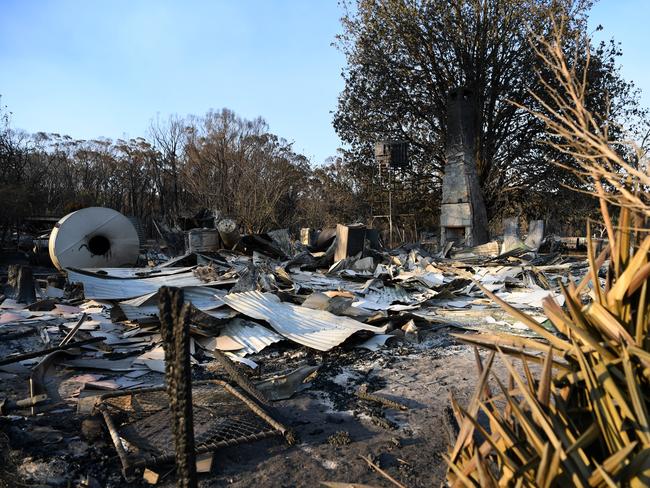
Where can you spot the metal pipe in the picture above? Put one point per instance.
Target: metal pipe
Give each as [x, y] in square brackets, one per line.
[124, 459]
[74, 330]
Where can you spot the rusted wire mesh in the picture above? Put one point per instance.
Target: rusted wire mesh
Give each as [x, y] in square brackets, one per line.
[222, 417]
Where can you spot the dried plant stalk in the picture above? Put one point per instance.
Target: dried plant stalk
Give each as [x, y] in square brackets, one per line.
[584, 419]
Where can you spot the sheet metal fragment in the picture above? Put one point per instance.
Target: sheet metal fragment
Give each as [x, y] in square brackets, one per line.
[317, 329]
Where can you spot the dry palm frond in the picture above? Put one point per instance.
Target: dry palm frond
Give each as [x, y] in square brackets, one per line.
[584, 419]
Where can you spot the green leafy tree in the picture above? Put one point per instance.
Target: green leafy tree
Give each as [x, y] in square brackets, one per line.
[403, 57]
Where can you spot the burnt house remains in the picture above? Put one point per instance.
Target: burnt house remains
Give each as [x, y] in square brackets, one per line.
[463, 218]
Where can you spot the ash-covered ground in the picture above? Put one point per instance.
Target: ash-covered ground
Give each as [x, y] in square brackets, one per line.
[335, 427]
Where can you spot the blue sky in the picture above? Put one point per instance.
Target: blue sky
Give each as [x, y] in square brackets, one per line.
[89, 68]
[627, 22]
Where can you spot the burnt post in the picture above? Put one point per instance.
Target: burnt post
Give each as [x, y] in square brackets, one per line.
[174, 329]
[21, 279]
[463, 218]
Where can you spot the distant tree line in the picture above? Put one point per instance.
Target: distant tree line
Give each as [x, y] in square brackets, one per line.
[403, 57]
[216, 162]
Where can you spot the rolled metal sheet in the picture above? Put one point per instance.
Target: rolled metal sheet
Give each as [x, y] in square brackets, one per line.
[94, 237]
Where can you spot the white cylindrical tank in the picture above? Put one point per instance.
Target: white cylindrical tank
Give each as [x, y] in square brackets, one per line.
[94, 237]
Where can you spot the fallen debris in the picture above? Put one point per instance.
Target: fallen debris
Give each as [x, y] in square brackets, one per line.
[223, 417]
[150, 476]
[382, 472]
[7, 406]
[341, 438]
[34, 354]
[285, 386]
[239, 377]
[317, 329]
[363, 393]
[278, 337]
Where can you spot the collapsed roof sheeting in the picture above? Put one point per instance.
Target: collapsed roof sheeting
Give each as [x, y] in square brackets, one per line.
[133, 273]
[111, 288]
[251, 335]
[319, 281]
[201, 297]
[383, 298]
[317, 329]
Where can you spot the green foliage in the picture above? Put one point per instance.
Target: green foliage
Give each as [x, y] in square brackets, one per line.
[404, 57]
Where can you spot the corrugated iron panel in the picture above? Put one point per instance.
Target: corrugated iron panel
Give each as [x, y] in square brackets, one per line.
[133, 273]
[202, 297]
[390, 294]
[102, 288]
[318, 281]
[383, 298]
[428, 278]
[253, 336]
[138, 301]
[317, 329]
[222, 313]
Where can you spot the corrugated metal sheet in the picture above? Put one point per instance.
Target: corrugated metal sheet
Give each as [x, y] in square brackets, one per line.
[133, 273]
[138, 301]
[251, 335]
[317, 329]
[429, 278]
[203, 298]
[318, 281]
[384, 298]
[103, 288]
[222, 313]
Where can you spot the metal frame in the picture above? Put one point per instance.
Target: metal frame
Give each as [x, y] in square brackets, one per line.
[130, 465]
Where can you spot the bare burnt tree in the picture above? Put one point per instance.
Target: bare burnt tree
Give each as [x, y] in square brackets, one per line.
[168, 138]
[237, 167]
[331, 195]
[218, 161]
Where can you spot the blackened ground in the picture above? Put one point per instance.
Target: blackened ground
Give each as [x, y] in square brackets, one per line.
[51, 449]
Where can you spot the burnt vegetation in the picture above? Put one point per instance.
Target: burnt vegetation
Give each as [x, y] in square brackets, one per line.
[354, 358]
[216, 161]
[402, 60]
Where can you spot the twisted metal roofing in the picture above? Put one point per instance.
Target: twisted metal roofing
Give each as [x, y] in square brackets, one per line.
[317, 329]
[254, 337]
[111, 288]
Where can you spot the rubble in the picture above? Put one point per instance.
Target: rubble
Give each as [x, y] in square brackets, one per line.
[463, 217]
[280, 333]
